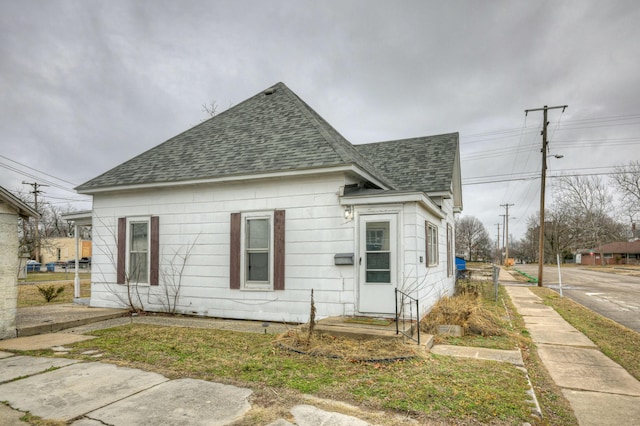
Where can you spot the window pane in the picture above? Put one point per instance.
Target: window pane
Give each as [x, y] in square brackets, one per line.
[258, 233]
[139, 241]
[378, 276]
[258, 266]
[138, 267]
[378, 260]
[377, 236]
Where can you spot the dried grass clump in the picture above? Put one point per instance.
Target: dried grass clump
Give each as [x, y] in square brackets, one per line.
[466, 311]
[344, 347]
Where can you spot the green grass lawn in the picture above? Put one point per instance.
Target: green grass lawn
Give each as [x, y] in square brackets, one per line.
[28, 294]
[427, 388]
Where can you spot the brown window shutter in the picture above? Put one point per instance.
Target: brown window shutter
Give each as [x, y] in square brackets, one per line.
[278, 250]
[121, 260]
[154, 260]
[234, 243]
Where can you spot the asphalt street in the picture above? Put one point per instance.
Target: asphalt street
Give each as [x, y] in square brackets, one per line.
[611, 295]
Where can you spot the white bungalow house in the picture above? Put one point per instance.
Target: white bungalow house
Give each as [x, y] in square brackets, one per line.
[244, 214]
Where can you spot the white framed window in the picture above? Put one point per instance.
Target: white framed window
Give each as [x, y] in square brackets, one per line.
[138, 249]
[431, 243]
[257, 251]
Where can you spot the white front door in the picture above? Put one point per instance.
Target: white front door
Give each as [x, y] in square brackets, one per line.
[377, 263]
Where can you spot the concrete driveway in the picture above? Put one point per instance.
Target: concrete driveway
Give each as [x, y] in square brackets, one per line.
[616, 297]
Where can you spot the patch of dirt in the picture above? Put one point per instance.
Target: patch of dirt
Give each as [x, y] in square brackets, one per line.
[374, 350]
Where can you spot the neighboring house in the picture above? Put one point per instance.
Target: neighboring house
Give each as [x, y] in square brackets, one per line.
[11, 208]
[265, 202]
[619, 253]
[63, 249]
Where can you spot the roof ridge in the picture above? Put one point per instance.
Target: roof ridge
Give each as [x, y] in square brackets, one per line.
[341, 146]
[415, 138]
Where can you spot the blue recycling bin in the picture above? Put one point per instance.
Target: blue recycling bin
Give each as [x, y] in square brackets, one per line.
[33, 266]
[51, 267]
[461, 268]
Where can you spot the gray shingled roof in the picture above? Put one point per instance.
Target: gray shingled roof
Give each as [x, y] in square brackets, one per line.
[275, 131]
[423, 164]
[266, 133]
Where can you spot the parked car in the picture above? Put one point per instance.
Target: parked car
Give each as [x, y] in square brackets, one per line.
[33, 266]
[85, 262]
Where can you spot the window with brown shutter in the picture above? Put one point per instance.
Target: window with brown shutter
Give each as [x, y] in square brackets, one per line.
[138, 250]
[257, 249]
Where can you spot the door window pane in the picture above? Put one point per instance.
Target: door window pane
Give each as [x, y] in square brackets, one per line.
[378, 276]
[378, 254]
[377, 236]
[377, 260]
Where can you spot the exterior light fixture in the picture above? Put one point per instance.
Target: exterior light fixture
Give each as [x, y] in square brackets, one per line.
[348, 212]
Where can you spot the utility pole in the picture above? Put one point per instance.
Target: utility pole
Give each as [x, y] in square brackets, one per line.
[35, 193]
[506, 231]
[543, 183]
[504, 220]
[498, 252]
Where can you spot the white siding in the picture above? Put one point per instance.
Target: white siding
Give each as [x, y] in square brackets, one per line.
[315, 231]
[426, 283]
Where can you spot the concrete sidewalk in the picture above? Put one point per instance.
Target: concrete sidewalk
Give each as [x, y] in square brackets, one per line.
[599, 390]
[95, 393]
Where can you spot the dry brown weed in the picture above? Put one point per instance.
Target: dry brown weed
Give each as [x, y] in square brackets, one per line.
[466, 311]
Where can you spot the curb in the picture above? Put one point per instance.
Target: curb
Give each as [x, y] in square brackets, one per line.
[32, 330]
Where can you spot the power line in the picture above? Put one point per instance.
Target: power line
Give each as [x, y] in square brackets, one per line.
[39, 171]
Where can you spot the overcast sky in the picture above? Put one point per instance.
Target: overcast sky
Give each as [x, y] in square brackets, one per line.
[86, 85]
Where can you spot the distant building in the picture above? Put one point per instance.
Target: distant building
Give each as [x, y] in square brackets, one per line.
[63, 249]
[619, 253]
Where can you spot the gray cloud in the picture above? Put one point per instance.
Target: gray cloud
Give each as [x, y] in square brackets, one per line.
[89, 84]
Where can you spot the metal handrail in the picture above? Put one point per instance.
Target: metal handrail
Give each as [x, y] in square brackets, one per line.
[401, 311]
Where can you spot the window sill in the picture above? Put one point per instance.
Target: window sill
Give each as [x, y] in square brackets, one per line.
[255, 289]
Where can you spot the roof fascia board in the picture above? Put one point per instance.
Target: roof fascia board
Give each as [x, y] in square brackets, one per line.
[349, 168]
[396, 198]
[81, 218]
[24, 209]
